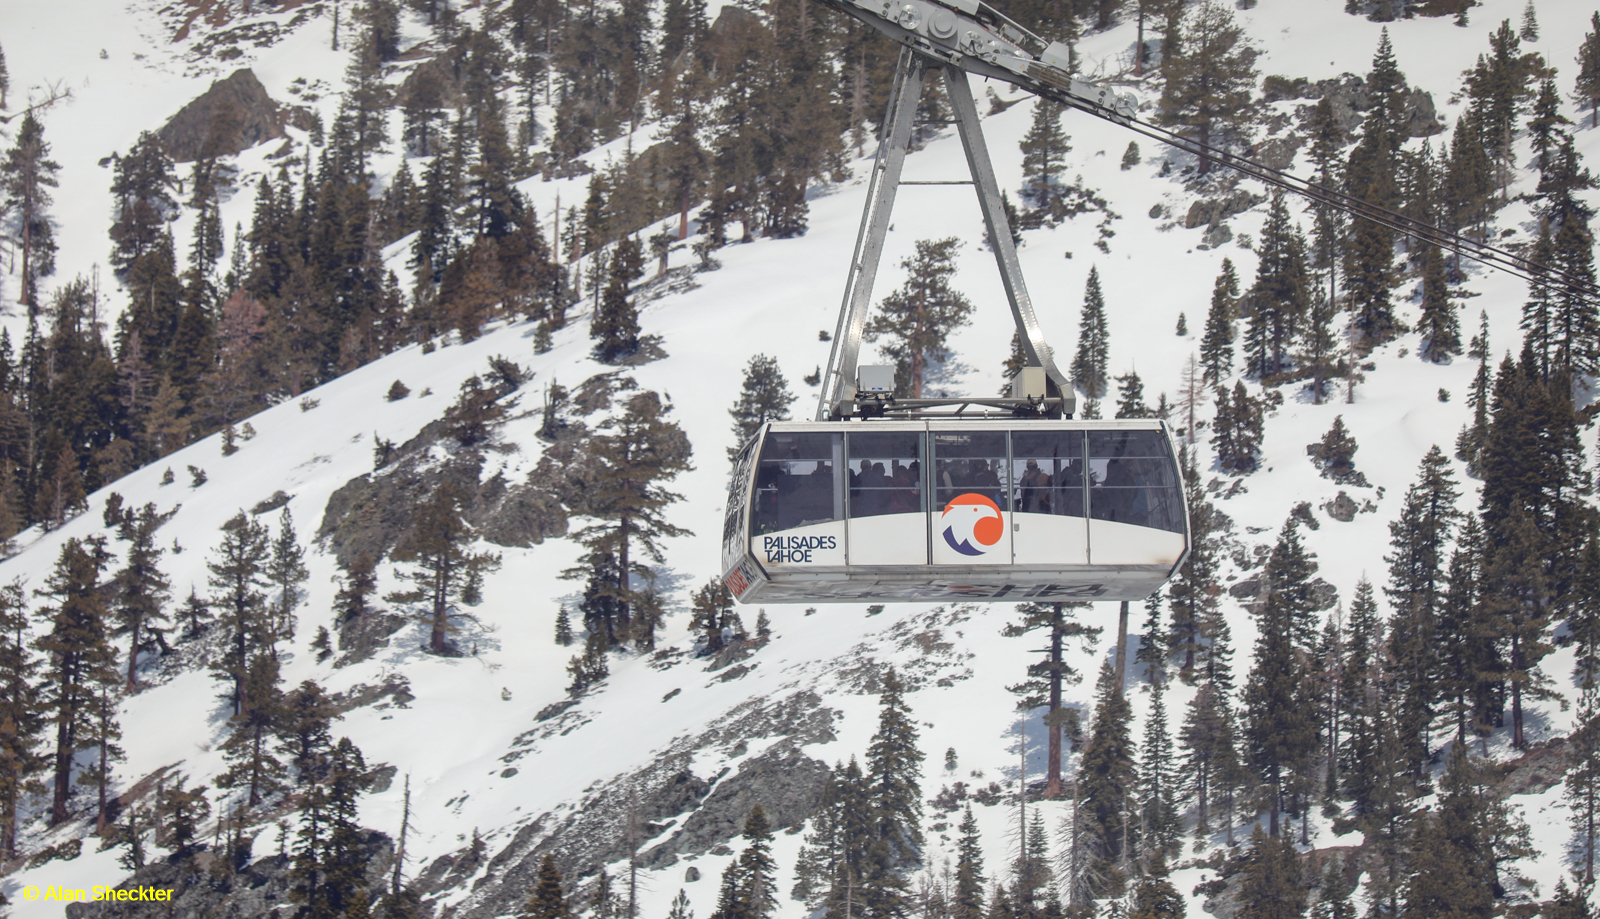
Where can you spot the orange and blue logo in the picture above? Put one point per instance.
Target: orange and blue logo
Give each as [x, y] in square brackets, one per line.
[972, 523]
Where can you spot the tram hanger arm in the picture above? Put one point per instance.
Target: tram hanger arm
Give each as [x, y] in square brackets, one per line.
[978, 39]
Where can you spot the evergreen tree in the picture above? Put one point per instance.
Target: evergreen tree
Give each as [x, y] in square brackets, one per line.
[1335, 454]
[615, 328]
[238, 574]
[1216, 346]
[446, 575]
[26, 175]
[78, 660]
[634, 453]
[303, 722]
[967, 897]
[1269, 884]
[1208, 78]
[549, 901]
[1106, 778]
[248, 749]
[563, 627]
[1418, 540]
[1159, 823]
[1280, 726]
[143, 188]
[1093, 355]
[21, 720]
[328, 868]
[765, 397]
[286, 570]
[1044, 150]
[1237, 430]
[140, 589]
[1280, 297]
[1438, 327]
[1582, 786]
[360, 581]
[1130, 397]
[1586, 90]
[918, 318]
[893, 765]
[1047, 677]
[757, 870]
[1453, 873]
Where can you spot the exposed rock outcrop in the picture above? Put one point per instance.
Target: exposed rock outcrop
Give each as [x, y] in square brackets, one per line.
[233, 115]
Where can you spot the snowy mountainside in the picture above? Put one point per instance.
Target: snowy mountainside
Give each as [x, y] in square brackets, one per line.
[471, 737]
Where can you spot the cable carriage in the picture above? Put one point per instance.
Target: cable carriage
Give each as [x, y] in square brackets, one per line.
[890, 498]
[943, 509]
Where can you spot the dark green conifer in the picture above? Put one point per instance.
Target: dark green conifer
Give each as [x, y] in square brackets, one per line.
[765, 397]
[548, 901]
[21, 721]
[1106, 779]
[140, 589]
[1093, 354]
[446, 574]
[918, 318]
[238, 575]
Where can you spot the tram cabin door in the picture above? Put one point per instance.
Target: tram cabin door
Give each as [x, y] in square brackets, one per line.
[1050, 526]
[972, 507]
[888, 511]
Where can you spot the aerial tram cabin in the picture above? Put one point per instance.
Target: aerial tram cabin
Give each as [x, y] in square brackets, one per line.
[927, 510]
[891, 496]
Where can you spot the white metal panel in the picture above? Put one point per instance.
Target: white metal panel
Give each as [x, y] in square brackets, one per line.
[1122, 544]
[889, 539]
[801, 547]
[1049, 539]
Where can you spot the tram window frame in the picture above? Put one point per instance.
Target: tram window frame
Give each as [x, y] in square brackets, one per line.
[1024, 451]
[999, 492]
[778, 515]
[856, 503]
[1159, 493]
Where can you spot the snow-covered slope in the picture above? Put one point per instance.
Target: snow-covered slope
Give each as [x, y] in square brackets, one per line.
[470, 714]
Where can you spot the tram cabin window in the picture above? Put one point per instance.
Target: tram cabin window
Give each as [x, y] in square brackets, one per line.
[970, 462]
[1133, 480]
[885, 473]
[1047, 469]
[795, 482]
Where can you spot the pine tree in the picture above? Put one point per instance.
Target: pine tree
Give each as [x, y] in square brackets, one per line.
[1586, 89]
[303, 723]
[757, 870]
[1335, 454]
[563, 627]
[79, 659]
[1093, 355]
[765, 397]
[1438, 327]
[1047, 677]
[286, 570]
[967, 898]
[1106, 778]
[893, 765]
[1237, 430]
[1208, 78]
[328, 870]
[1453, 871]
[1130, 397]
[615, 328]
[238, 574]
[1280, 727]
[634, 454]
[1269, 883]
[359, 582]
[1216, 347]
[248, 749]
[21, 720]
[26, 175]
[446, 575]
[549, 901]
[1582, 786]
[1044, 150]
[181, 811]
[140, 589]
[1280, 297]
[1159, 823]
[918, 318]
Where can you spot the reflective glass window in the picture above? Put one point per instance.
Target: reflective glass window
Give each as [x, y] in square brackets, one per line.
[1047, 469]
[885, 473]
[970, 462]
[796, 482]
[1134, 480]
